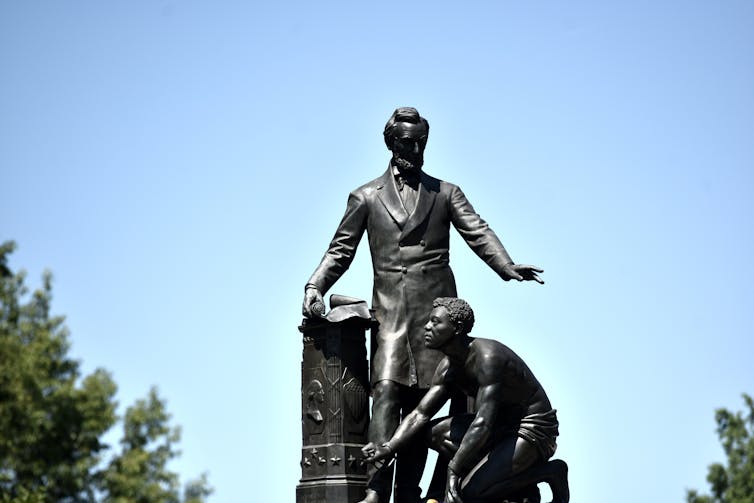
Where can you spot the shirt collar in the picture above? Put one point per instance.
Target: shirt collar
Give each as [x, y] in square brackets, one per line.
[397, 173]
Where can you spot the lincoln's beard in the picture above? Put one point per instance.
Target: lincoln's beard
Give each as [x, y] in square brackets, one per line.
[408, 164]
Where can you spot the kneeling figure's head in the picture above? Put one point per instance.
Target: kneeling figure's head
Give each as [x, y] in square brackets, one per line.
[450, 317]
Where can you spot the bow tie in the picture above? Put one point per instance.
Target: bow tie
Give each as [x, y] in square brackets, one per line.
[407, 178]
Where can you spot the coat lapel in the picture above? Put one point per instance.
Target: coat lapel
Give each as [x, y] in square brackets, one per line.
[428, 189]
[388, 195]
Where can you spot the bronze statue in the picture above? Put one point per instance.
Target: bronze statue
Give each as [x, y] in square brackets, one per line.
[502, 448]
[406, 215]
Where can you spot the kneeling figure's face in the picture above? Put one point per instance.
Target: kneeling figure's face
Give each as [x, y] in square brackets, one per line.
[439, 330]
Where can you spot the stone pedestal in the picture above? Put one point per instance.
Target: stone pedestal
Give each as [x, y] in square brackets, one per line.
[334, 411]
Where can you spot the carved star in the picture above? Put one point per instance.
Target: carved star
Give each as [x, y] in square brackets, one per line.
[315, 452]
[322, 461]
[335, 460]
[306, 462]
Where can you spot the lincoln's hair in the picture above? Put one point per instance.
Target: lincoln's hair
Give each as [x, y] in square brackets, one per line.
[403, 114]
[459, 311]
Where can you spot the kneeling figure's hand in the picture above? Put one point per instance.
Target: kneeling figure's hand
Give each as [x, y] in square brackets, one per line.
[374, 453]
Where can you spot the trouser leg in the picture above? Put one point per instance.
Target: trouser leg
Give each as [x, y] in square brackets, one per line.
[409, 467]
[410, 461]
[382, 425]
[554, 473]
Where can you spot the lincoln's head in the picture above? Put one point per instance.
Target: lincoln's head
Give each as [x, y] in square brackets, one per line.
[406, 135]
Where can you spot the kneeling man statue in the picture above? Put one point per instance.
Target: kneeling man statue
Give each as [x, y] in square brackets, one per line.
[500, 451]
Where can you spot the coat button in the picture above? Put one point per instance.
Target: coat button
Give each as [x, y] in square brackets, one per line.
[424, 269]
[423, 243]
[404, 270]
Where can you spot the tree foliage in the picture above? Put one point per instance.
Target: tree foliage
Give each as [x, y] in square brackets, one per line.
[53, 419]
[734, 482]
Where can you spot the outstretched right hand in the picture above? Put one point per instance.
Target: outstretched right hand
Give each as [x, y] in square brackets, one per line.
[522, 272]
[314, 305]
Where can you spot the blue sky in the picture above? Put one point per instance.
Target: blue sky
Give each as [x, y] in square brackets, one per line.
[182, 166]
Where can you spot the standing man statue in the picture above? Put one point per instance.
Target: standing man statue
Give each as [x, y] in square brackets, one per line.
[501, 449]
[407, 215]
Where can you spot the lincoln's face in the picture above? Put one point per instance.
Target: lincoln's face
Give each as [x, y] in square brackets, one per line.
[440, 329]
[408, 145]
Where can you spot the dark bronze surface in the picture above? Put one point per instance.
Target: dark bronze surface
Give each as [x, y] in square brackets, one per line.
[407, 215]
[501, 449]
[334, 411]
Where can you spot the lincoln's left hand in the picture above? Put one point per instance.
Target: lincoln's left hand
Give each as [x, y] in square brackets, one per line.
[522, 272]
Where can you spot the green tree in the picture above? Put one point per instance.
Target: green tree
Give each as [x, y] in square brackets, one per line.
[733, 483]
[138, 474]
[53, 419]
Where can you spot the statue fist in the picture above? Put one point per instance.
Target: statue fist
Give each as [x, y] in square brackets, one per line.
[314, 305]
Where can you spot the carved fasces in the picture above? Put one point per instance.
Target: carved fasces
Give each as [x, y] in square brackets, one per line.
[334, 386]
[335, 406]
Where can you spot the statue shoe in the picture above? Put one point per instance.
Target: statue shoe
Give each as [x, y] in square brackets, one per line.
[371, 497]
